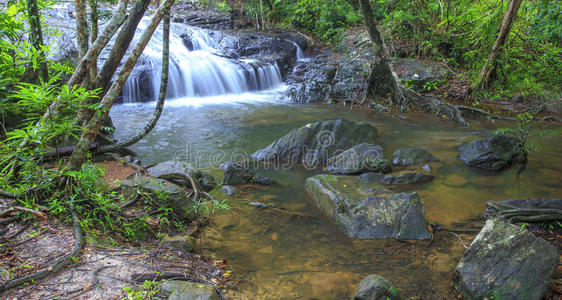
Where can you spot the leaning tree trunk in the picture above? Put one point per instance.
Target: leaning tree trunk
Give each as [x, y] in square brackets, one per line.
[489, 68]
[161, 95]
[94, 16]
[92, 129]
[81, 27]
[37, 38]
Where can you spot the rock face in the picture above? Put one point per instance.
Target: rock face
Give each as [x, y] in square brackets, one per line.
[505, 261]
[239, 173]
[539, 206]
[367, 211]
[340, 76]
[185, 290]
[164, 194]
[494, 154]
[209, 19]
[359, 159]
[412, 156]
[314, 143]
[376, 287]
[170, 169]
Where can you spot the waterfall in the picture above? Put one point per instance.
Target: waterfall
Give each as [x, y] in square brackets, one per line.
[197, 68]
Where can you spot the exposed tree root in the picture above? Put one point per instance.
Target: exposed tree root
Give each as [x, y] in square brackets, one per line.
[57, 265]
[8, 195]
[514, 214]
[27, 210]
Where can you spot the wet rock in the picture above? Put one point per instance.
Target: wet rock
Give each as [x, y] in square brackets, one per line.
[359, 159]
[420, 74]
[185, 290]
[376, 287]
[495, 153]
[170, 169]
[368, 211]
[426, 168]
[314, 143]
[163, 193]
[406, 178]
[179, 242]
[412, 156]
[554, 106]
[505, 261]
[229, 190]
[258, 204]
[240, 173]
[209, 19]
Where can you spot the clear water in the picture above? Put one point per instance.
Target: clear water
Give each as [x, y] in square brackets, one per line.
[287, 256]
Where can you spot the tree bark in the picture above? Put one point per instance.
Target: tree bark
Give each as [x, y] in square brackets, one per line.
[94, 16]
[489, 68]
[37, 38]
[81, 27]
[161, 95]
[92, 129]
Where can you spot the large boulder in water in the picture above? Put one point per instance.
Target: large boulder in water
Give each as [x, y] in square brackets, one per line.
[505, 261]
[494, 154]
[314, 143]
[368, 211]
[173, 170]
[359, 159]
[412, 156]
[376, 287]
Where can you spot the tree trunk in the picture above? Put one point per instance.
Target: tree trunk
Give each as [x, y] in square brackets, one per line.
[383, 81]
[489, 67]
[161, 95]
[94, 36]
[92, 129]
[37, 38]
[81, 27]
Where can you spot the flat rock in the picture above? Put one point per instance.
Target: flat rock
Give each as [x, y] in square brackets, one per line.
[376, 287]
[495, 153]
[170, 169]
[179, 242]
[412, 156]
[505, 261]
[240, 173]
[314, 143]
[359, 159]
[162, 192]
[368, 211]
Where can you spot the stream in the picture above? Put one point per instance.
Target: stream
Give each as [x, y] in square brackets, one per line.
[284, 256]
[224, 108]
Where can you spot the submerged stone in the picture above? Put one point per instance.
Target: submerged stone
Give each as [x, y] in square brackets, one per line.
[170, 169]
[314, 143]
[505, 261]
[359, 159]
[376, 287]
[406, 178]
[495, 153]
[368, 211]
[412, 156]
[179, 242]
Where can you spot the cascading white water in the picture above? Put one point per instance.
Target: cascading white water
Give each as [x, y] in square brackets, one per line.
[196, 69]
